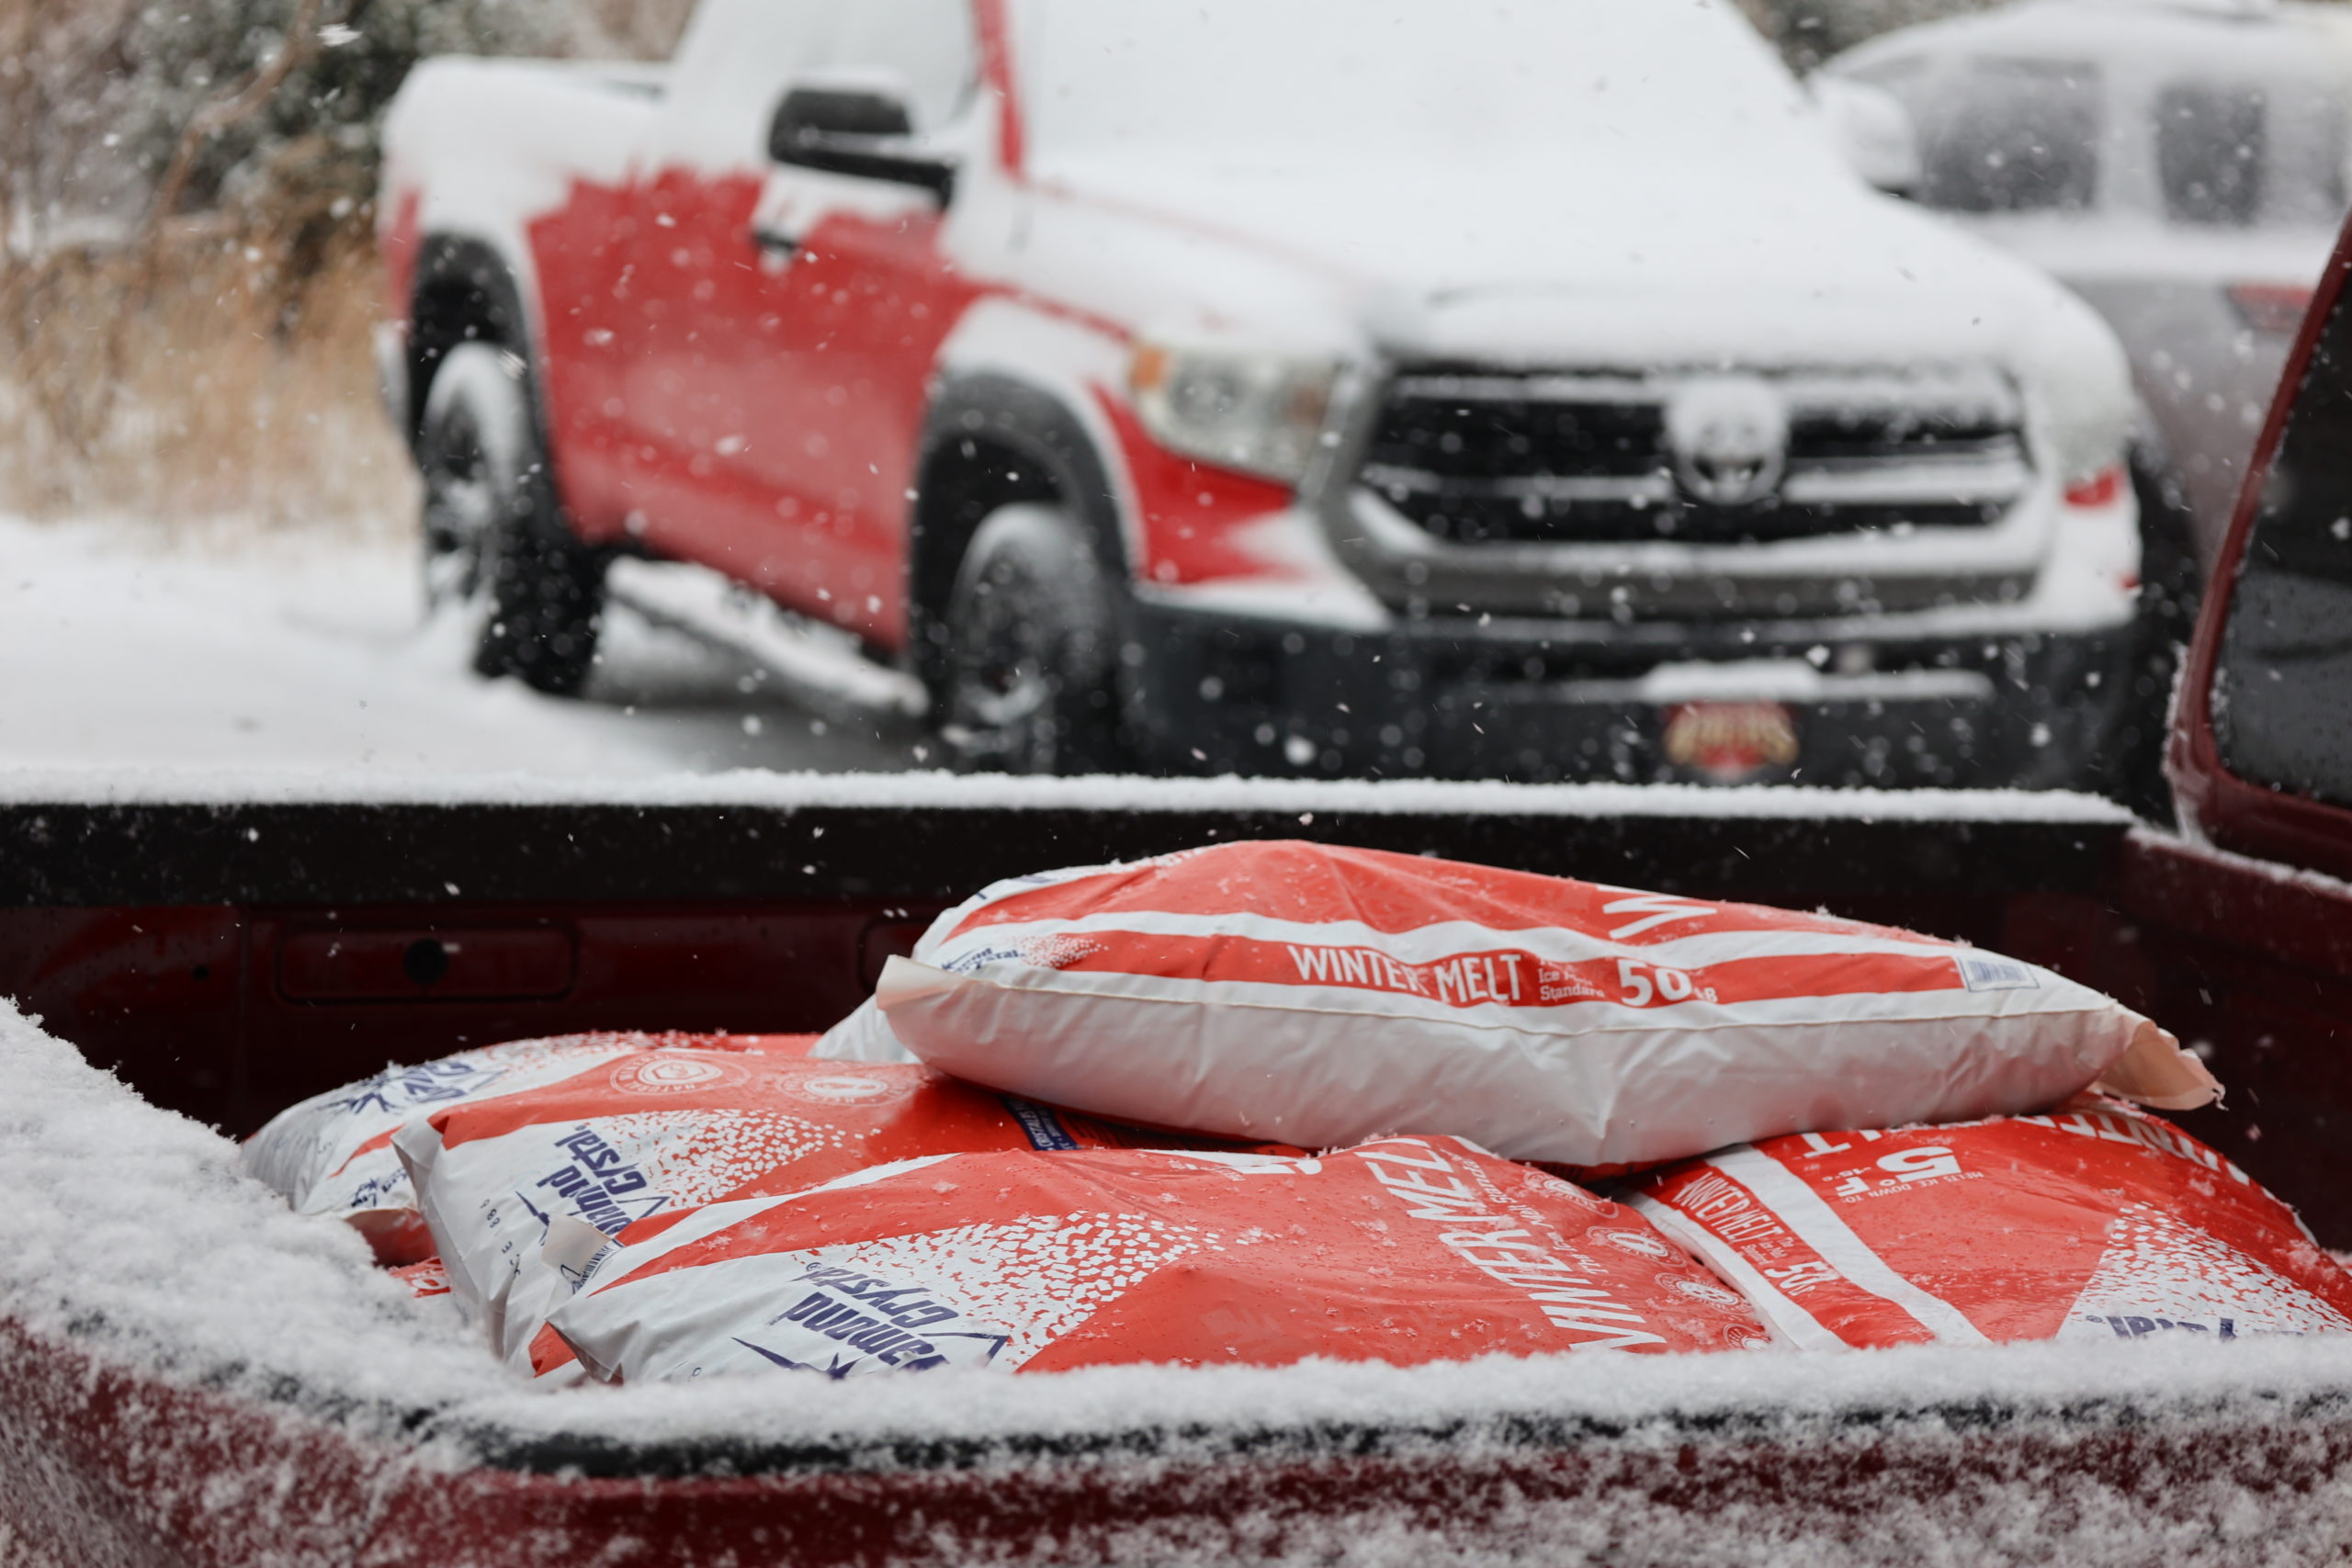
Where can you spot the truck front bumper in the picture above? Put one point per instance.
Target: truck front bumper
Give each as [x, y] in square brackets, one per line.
[1542, 701]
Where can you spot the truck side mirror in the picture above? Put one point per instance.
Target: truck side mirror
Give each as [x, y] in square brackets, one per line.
[862, 132]
[1873, 132]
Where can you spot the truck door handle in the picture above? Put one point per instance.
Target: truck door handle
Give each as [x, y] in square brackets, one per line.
[775, 243]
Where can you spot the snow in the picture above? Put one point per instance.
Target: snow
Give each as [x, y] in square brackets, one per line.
[1795, 681]
[2269, 871]
[821, 665]
[310, 652]
[2123, 248]
[277, 669]
[949, 792]
[1789, 1390]
[1206, 186]
[1459, 85]
[491, 144]
[141, 1232]
[286, 669]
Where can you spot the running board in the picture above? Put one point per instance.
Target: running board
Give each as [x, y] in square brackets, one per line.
[821, 668]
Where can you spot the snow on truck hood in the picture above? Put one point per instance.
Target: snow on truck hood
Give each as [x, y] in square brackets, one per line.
[1629, 267]
[1579, 183]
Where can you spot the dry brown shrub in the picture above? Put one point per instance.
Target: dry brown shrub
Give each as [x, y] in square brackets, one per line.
[219, 368]
[212, 383]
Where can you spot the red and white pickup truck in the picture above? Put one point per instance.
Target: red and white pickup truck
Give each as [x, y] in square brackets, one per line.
[1275, 388]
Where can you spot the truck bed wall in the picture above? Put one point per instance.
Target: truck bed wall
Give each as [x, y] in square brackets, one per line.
[229, 959]
[232, 959]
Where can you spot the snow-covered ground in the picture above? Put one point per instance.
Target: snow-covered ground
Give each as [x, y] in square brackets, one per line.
[120, 646]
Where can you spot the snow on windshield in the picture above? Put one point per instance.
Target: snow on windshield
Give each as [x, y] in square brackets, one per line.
[1562, 82]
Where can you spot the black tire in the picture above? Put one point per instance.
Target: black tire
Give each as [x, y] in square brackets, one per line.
[497, 549]
[1030, 683]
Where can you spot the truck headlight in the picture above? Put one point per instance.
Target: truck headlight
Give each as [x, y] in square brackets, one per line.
[1262, 413]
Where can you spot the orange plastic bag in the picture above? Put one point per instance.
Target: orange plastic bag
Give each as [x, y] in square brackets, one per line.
[638, 1134]
[1324, 995]
[1405, 1250]
[2095, 1223]
[331, 1153]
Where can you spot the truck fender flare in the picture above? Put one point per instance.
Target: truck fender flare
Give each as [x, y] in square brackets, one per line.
[990, 438]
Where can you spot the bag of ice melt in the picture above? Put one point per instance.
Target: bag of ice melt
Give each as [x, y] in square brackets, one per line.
[2095, 1223]
[426, 1280]
[638, 1134]
[1324, 995]
[331, 1153]
[1406, 1250]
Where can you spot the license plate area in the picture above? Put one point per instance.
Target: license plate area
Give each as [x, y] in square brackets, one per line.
[1730, 742]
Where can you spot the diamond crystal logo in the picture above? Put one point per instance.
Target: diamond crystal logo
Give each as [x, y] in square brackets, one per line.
[664, 1073]
[1641, 1244]
[846, 1088]
[1729, 439]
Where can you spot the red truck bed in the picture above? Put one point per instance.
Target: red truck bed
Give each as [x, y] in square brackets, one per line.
[231, 957]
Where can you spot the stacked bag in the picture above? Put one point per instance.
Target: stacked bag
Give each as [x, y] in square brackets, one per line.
[1267, 1102]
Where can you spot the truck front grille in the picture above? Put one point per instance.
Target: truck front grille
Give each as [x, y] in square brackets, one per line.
[1477, 458]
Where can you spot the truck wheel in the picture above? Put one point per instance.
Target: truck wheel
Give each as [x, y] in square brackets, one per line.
[497, 549]
[1032, 668]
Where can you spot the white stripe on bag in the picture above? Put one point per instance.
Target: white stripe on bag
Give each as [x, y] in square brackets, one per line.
[1781, 1314]
[1449, 938]
[1805, 1212]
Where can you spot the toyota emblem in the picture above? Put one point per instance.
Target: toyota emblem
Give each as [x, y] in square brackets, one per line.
[1729, 436]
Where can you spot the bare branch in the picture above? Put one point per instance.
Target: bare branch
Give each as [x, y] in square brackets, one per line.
[301, 38]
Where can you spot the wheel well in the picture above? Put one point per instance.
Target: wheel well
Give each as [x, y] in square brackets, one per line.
[977, 457]
[464, 293]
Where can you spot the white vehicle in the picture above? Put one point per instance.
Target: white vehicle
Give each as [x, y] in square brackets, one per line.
[1275, 386]
[2179, 164]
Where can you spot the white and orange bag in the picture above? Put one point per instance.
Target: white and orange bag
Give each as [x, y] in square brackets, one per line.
[331, 1155]
[1323, 995]
[2096, 1222]
[1407, 1250]
[652, 1131]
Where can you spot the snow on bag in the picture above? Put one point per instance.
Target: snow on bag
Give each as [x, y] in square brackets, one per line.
[331, 1153]
[518, 1188]
[2097, 1223]
[1407, 1250]
[1323, 995]
[427, 1284]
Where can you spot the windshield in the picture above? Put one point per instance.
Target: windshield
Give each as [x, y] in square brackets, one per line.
[2239, 155]
[1264, 81]
[2003, 133]
[2021, 136]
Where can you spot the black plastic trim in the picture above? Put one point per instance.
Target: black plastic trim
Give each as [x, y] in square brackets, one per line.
[79, 856]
